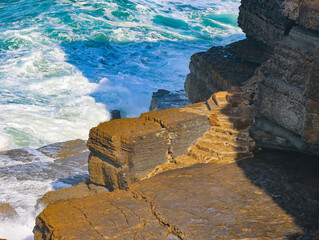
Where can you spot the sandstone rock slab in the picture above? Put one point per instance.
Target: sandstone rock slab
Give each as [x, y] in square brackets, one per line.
[261, 198]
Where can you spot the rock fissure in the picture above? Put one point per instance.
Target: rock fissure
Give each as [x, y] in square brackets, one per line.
[171, 229]
[120, 211]
[86, 218]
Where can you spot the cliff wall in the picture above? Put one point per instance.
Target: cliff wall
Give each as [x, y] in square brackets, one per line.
[277, 66]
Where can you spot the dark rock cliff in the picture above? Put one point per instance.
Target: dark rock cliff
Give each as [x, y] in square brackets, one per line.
[278, 65]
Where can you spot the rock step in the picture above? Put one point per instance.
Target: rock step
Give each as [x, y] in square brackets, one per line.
[228, 111]
[226, 141]
[201, 156]
[222, 157]
[185, 160]
[235, 138]
[223, 149]
[232, 132]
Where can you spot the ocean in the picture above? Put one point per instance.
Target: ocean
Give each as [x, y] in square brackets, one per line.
[65, 64]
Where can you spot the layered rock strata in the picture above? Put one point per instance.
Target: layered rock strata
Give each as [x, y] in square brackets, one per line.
[287, 86]
[283, 39]
[220, 69]
[127, 150]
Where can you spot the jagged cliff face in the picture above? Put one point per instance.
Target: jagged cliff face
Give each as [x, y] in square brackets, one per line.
[288, 83]
[278, 65]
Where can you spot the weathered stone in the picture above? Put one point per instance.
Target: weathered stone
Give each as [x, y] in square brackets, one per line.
[303, 12]
[282, 104]
[163, 99]
[249, 50]
[264, 21]
[106, 174]
[114, 215]
[63, 150]
[215, 70]
[262, 198]
[184, 128]
[7, 212]
[310, 132]
[79, 191]
[123, 146]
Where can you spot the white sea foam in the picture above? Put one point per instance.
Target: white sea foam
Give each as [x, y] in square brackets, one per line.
[62, 68]
[5, 142]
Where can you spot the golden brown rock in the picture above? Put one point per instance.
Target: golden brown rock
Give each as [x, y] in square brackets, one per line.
[79, 191]
[204, 201]
[184, 128]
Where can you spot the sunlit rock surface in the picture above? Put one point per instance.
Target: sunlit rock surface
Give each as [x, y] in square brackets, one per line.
[271, 196]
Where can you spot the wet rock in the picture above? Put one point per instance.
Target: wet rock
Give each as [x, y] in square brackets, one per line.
[65, 161]
[163, 99]
[115, 114]
[64, 149]
[79, 191]
[264, 198]
[7, 212]
[215, 70]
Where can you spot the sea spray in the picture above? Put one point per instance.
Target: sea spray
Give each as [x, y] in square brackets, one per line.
[64, 64]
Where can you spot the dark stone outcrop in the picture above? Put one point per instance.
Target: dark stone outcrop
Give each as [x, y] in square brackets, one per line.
[283, 39]
[164, 99]
[216, 70]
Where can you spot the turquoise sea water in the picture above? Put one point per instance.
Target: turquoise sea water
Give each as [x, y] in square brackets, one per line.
[64, 64]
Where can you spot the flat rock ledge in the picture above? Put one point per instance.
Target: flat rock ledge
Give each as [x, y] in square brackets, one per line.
[204, 201]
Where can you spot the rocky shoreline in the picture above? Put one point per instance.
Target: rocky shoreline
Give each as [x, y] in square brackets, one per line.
[240, 162]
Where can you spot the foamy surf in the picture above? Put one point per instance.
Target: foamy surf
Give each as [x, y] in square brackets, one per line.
[64, 64]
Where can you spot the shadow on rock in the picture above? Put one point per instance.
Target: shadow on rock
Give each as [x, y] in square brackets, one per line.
[292, 180]
[69, 181]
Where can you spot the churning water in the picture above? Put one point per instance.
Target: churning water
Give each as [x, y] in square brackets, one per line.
[64, 64]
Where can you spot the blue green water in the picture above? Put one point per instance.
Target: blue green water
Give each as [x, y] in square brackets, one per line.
[64, 64]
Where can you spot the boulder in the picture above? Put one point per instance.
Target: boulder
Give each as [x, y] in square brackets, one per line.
[127, 150]
[184, 128]
[122, 146]
[7, 212]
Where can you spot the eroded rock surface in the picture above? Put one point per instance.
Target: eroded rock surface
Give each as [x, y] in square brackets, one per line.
[216, 70]
[261, 198]
[127, 150]
[283, 37]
